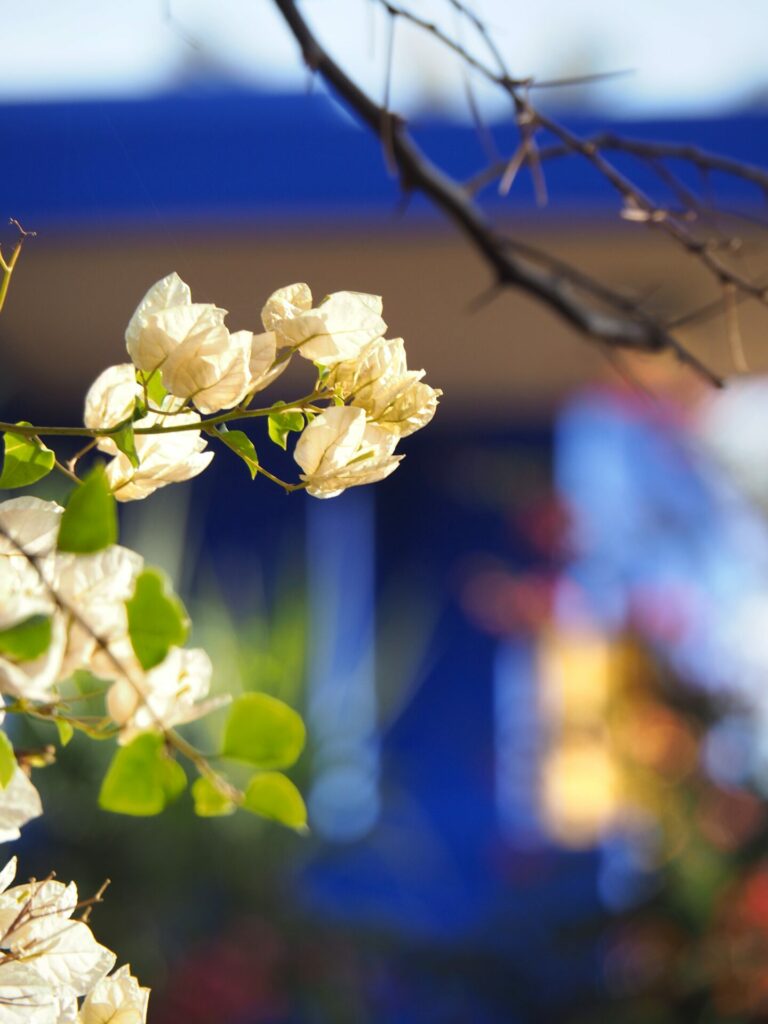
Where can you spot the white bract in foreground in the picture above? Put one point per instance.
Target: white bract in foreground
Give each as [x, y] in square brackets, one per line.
[49, 961]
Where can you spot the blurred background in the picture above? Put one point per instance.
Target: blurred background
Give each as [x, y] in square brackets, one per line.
[533, 662]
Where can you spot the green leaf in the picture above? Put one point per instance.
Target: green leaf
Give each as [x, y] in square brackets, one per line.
[89, 522]
[126, 442]
[26, 461]
[157, 620]
[210, 802]
[272, 795]
[263, 731]
[26, 640]
[281, 424]
[173, 779]
[65, 730]
[7, 760]
[242, 445]
[155, 390]
[88, 684]
[141, 779]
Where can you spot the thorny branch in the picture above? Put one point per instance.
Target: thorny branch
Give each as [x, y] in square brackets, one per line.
[596, 310]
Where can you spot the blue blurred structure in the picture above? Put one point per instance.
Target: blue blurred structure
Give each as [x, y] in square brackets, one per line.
[243, 155]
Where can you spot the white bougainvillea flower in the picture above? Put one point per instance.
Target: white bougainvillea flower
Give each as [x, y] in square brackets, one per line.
[163, 458]
[168, 695]
[117, 999]
[70, 958]
[111, 398]
[335, 330]
[35, 912]
[379, 363]
[401, 406]
[49, 961]
[30, 524]
[22, 593]
[264, 365]
[147, 342]
[36, 679]
[339, 449]
[211, 367]
[19, 803]
[96, 587]
[27, 998]
[286, 304]
[380, 382]
[36, 928]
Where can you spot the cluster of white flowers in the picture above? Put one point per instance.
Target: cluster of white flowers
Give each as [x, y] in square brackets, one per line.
[52, 969]
[89, 626]
[354, 443]
[205, 368]
[148, 417]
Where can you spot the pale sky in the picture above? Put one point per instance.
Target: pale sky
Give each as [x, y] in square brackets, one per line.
[685, 56]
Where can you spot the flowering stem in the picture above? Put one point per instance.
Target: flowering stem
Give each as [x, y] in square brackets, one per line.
[203, 765]
[67, 472]
[212, 421]
[276, 480]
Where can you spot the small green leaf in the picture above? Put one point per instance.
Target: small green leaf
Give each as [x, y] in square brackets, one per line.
[281, 424]
[272, 795]
[87, 684]
[263, 731]
[242, 445]
[141, 779]
[7, 760]
[155, 390]
[157, 620]
[126, 442]
[65, 730]
[26, 461]
[210, 802]
[89, 522]
[26, 640]
[173, 779]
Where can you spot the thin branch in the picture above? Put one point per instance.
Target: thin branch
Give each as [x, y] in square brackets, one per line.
[614, 325]
[172, 738]
[7, 266]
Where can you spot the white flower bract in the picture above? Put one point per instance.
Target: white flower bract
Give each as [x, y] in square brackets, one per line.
[379, 381]
[164, 458]
[339, 449]
[147, 342]
[111, 398]
[50, 961]
[168, 695]
[19, 803]
[338, 328]
[116, 999]
[210, 367]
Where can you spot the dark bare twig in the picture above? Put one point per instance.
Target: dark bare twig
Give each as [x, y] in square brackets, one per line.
[589, 306]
